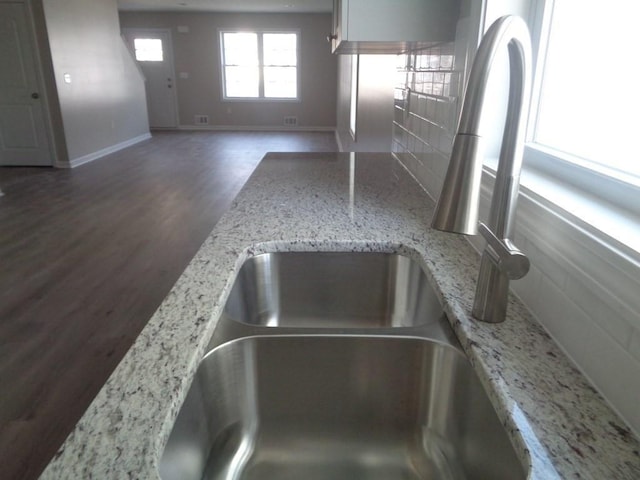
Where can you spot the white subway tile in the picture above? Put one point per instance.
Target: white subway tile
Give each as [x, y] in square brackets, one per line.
[425, 131]
[616, 374]
[446, 143]
[570, 326]
[432, 106]
[553, 308]
[422, 107]
[592, 300]
[634, 344]
[543, 262]
[603, 360]
[528, 288]
[443, 114]
[519, 240]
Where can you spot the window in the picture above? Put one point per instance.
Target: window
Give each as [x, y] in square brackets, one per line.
[148, 49]
[585, 120]
[260, 65]
[580, 159]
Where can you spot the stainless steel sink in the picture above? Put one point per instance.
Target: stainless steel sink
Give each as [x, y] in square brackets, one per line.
[332, 290]
[337, 407]
[363, 378]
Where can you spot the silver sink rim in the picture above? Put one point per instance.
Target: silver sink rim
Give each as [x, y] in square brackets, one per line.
[304, 334]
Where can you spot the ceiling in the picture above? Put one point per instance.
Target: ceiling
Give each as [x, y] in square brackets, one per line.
[287, 6]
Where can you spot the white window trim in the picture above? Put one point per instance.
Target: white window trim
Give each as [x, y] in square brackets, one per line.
[260, 99]
[618, 189]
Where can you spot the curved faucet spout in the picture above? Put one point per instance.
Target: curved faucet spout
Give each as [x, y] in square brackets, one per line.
[457, 208]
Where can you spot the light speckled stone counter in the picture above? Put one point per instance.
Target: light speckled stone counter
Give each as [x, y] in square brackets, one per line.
[559, 424]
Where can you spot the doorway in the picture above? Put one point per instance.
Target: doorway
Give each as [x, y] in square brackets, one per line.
[23, 125]
[153, 52]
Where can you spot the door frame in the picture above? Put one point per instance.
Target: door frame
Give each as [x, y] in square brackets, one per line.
[41, 72]
[129, 31]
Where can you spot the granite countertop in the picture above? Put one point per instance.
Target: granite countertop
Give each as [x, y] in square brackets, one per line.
[338, 202]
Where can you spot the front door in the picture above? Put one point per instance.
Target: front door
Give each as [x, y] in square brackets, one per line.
[23, 133]
[153, 52]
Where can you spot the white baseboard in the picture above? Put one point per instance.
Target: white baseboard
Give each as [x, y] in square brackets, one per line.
[76, 162]
[255, 128]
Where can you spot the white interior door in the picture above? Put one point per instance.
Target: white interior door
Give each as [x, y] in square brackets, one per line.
[152, 49]
[23, 133]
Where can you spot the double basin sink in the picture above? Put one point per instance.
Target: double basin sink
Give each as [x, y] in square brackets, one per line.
[336, 366]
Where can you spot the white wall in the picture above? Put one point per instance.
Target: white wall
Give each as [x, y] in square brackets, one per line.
[581, 289]
[104, 106]
[197, 53]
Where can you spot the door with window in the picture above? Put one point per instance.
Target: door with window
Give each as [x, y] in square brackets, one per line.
[23, 133]
[152, 49]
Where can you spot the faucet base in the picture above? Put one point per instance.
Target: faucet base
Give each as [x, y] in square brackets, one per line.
[492, 292]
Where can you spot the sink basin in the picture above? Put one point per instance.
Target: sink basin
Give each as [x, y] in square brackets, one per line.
[337, 407]
[332, 290]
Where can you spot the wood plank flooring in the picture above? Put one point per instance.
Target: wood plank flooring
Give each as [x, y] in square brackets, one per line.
[86, 257]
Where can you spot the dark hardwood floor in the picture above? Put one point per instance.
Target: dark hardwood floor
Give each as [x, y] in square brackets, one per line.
[86, 257]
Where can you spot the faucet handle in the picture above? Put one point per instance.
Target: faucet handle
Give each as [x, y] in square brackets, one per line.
[506, 256]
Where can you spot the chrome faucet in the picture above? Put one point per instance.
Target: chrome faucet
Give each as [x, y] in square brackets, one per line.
[457, 208]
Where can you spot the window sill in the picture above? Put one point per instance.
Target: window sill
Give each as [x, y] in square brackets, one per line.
[611, 225]
[587, 248]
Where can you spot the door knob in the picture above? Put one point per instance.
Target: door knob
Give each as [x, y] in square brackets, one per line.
[35, 95]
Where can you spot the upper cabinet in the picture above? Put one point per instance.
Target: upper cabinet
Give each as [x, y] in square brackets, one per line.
[391, 26]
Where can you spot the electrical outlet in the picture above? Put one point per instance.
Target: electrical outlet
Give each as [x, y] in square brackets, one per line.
[290, 121]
